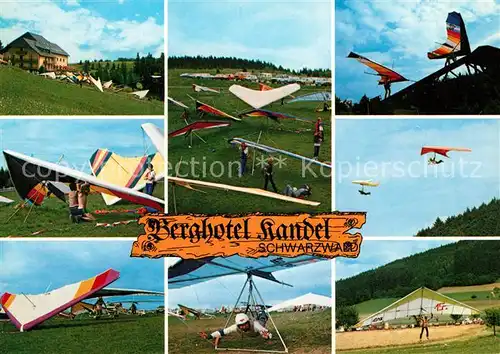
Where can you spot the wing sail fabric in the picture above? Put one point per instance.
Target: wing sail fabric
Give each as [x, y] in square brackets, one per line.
[258, 99]
[197, 126]
[27, 311]
[205, 108]
[456, 43]
[313, 97]
[27, 172]
[156, 136]
[177, 103]
[386, 74]
[441, 150]
[272, 115]
[128, 172]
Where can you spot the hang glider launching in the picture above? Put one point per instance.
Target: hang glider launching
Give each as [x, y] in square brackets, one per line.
[272, 115]
[441, 150]
[421, 302]
[27, 172]
[269, 149]
[386, 75]
[259, 99]
[364, 184]
[189, 183]
[198, 88]
[193, 127]
[127, 172]
[205, 108]
[156, 136]
[457, 43]
[177, 103]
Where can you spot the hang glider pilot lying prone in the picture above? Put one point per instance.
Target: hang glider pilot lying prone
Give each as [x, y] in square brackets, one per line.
[362, 192]
[243, 324]
[434, 161]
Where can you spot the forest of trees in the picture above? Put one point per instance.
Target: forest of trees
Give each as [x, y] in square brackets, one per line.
[4, 178]
[219, 63]
[481, 221]
[459, 264]
[138, 76]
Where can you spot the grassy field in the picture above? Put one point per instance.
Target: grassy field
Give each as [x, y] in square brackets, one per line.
[217, 153]
[26, 94]
[121, 335]
[51, 219]
[302, 332]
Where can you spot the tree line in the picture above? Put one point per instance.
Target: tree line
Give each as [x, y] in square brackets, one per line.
[219, 63]
[5, 181]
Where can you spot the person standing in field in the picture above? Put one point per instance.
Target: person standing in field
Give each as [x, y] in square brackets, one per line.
[268, 174]
[424, 324]
[243, 158]
[318, 137]
[150, 177]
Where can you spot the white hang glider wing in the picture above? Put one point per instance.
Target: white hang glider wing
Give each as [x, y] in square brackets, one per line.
[199, 88]
[269, 149]
[177, 103]
[156, 136]
[5, 200]
[97, 83]
[27, 172]
[304, 300]
[258, 99]
[107, 84]
[52, 75]
[140, 94]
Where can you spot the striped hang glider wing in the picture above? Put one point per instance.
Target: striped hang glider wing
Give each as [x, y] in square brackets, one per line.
[197, 126]
[313, 97]
[441, 150]
[205, 108]
[27, 172]
[421, 302]
[189, 183]
[259, 99]
[269, 149]
[156, 136]
[457, 43]
[195, 271]
[272, 115]
[386, 75]
[128, 172]
[27, 311]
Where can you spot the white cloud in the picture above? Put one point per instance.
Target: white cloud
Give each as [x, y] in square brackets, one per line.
[72, 3]
[121, 2]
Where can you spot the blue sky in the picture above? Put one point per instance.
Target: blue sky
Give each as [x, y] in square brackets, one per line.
[412, 194]
[88, 29]
[375, 254]
[314, 278]
[32, 267]
[77, 140]
[290, 33]
[399, 34]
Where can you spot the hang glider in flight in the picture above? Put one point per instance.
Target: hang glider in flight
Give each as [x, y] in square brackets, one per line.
[189, 183]
[313, 97]
[386, 75]
[269, 149]
[272, 115]
[177, 103]
[259, 99]
[127, 172]
[200, 125]
[364, 184]
[27, 172]
[441, 150]
[457, 43]
[27, 311]
[205, 108]
[198, 88]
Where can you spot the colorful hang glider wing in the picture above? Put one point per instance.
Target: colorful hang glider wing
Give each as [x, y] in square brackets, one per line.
[422, 301]
[272, 115]
[156, 136]
[269, 149]
[367, 183]
[27, 311]
[27, 172]
[386, 74]
[197, 126]
[191, 272]
[205, 108]
[313, 97]
[264, 87]
[457, 43]
[128, 172]
[189, 183]
[177, 103]
[441, 150]
[259, 99]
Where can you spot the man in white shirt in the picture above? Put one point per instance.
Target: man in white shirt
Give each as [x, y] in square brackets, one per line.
[150, 178]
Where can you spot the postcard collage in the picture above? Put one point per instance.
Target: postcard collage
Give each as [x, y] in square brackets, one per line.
[247, 176]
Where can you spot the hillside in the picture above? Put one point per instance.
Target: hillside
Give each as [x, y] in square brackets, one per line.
[463, 263]
[27, 94]
[481, 221]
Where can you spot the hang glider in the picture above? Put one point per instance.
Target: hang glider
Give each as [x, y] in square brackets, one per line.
[421, 302]
[304, 300]
[26, 311]
[127, 172]
[184, 273]
[107, 84]
[457, 43]
[5, 200]
[51, 75]
[198, 88]
[364, 184]
[386, 75]
[140, 94]
[27, 172]
[205, 108]
[441, 150]
[190, 128]
[313, 97]
[156, 136]
[97, 83]
[189, 183]
[39, 192]
[272, 115]
[269, 149]
[264, 87]
[259, 99]
[177, 103]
